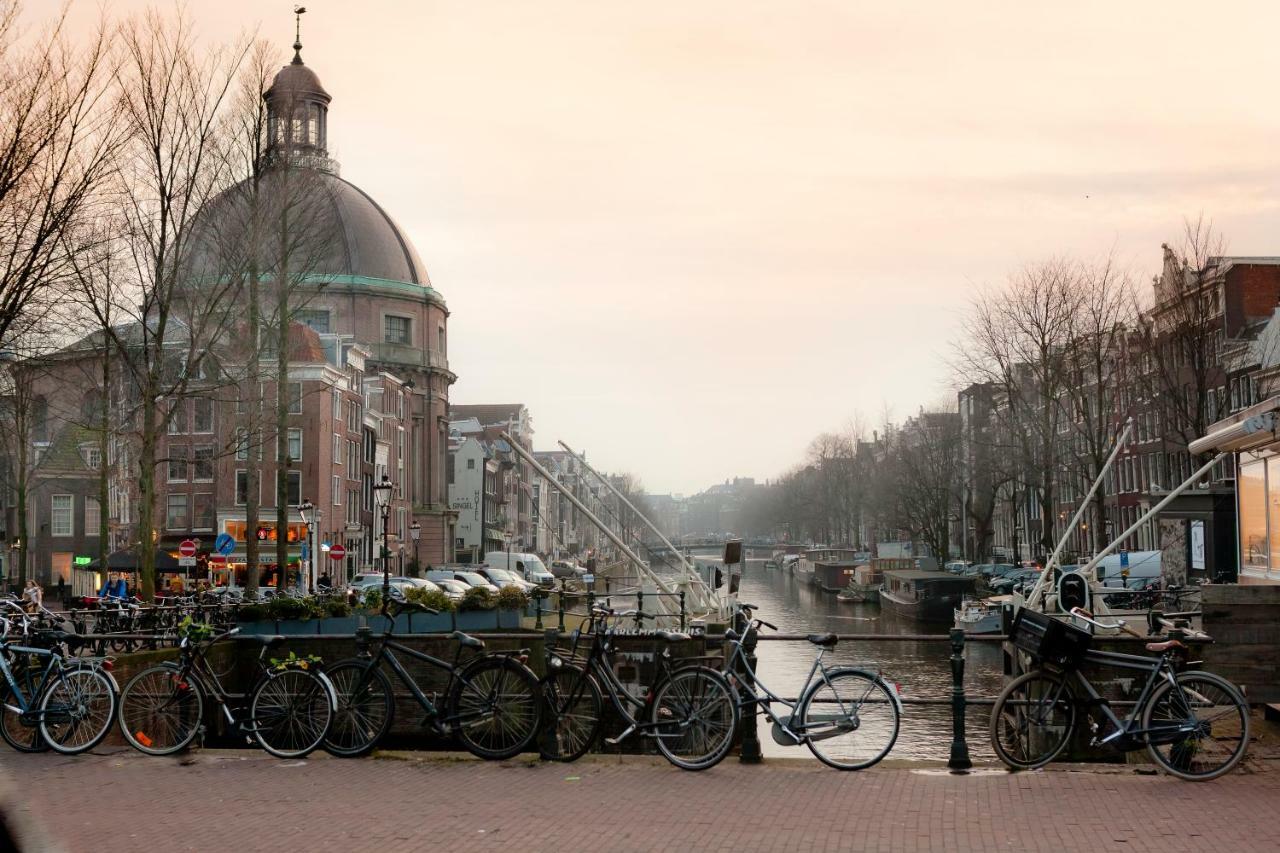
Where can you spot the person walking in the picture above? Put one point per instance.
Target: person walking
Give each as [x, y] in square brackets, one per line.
[62, 592]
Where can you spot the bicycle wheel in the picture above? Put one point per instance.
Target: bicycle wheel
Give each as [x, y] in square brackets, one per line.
[24, 737]
[290, 712]
[496, 707]
[695, 715]
[850, 720]
[366, 708]
[77, 709]
[161, 710]
[1206, 723]
[575, 710]
[1032, 720]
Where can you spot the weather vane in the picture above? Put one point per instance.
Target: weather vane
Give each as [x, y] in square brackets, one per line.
[298, 12]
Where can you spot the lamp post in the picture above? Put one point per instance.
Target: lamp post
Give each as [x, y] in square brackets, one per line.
[382, 496]
[415, 531]
[307, 510]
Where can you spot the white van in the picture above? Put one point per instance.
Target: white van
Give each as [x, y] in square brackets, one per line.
[527, 566]
[1142, 569]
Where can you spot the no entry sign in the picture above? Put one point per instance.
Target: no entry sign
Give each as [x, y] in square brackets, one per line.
[337, 552]
[187, 548]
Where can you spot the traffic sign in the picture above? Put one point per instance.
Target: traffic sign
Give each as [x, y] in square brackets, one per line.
[187, 549]
[224, 544]
[186, 562]
[337, 552]
[219, 559]
[1124, 559]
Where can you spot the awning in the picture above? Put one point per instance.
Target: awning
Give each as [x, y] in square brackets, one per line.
[1251, 429]
[127, 561]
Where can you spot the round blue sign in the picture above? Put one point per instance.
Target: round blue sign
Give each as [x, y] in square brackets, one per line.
[224, 544]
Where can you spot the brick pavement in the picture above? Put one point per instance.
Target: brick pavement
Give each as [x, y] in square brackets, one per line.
[242, 801]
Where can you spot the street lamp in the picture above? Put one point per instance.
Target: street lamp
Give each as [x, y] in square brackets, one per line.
[307, 510]
[415, 530]
[382, 496]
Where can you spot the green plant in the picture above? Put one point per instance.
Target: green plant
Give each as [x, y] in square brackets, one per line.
[372, 599]
[295, 662]
[512, 598]
[433, 598]
[335, 606]
[283, 607]
[251, 613]
[195, 631]
[477, 598]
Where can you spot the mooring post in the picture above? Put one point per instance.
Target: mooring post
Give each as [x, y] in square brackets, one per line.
[640, 609]
[959, 746]
[537, 597]
[363, 636]
[750, 750]
[562, 588]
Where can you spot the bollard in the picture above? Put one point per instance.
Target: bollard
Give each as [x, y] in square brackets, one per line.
[640, 609]
[959, 746]
[682, 612]
[538, 598]
[749, 753]
[363, 637]
[562, 586]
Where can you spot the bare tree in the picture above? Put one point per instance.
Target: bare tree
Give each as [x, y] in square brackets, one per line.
[921, 475]
[58, 132]
[178, 306]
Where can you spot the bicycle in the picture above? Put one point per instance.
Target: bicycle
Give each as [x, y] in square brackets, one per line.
[66, 704]
[491, 701]
[289, 709]
[858, 732]
[688, 709]
[1194, 724]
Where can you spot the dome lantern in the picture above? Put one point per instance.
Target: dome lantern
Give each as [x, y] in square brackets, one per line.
[297, 107]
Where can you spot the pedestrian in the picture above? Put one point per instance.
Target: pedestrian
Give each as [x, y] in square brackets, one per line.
[33, 595]
[324, 582]
[62, 591]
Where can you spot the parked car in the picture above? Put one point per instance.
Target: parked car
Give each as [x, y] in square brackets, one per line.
[366, 581]
[453, 588]
[470, 578]
[957, 567]
[566, 569]
[502, 578]
[1007, 583]
[526, 565]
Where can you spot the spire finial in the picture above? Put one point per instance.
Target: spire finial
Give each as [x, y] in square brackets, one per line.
[298, 12]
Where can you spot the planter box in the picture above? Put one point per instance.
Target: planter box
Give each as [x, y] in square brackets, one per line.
[406, 623]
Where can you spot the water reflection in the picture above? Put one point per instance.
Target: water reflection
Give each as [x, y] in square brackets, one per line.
[922, 669]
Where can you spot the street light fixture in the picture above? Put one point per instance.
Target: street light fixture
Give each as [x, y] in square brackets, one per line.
[306, 509]
[382, 496]
[415, 531]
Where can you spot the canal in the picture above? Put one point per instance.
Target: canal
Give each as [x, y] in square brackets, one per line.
[921, 669]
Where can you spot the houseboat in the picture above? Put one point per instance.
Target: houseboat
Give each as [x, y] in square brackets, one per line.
[864, 587]
[982, 616]
[806, 568]
[929, 596]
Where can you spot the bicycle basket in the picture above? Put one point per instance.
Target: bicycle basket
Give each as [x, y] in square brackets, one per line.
[1049, 640]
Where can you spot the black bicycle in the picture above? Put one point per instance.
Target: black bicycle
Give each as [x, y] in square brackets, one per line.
[288, 711]
[690, 710]
[491, 701]
[1194, 724]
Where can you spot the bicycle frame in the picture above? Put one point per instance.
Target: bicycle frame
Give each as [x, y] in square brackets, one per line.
[1158, 670]
[25, 704]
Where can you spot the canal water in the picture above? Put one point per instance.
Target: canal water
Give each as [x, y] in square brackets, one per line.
[921, 669]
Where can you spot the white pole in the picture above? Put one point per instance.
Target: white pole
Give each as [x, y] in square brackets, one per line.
[1038, 591]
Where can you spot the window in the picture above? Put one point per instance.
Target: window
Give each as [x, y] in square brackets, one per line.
[204, 464]
[440, 330]
[337, 408]
[61, 521]
[337, 449]
[295, 444]
[242, 444]
[400, 514]
[205, 514]
[353, 506]
[293, 489]
[353, 459]
[92, 457]
[176, 513]
[471, 464]
[295, 398]
[316, 318]
[178, 456]
[242, 488]
[92, 516]
[202, 408]
[1252, 494]
[178, 423]
[336, 488]
[353, 416]
[395, 330]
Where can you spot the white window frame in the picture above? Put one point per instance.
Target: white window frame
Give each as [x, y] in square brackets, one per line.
[168, 499]
[56, 529]
[95, 516]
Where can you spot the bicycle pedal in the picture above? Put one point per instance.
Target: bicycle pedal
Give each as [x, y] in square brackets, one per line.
[614, 741]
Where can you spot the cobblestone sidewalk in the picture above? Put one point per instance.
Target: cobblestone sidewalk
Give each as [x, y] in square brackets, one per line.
[243, 801]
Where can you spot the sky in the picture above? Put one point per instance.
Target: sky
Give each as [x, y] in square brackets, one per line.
[691, 236]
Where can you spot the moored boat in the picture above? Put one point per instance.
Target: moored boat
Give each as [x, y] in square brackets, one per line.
[930, 596]
[981, 616]
[864, 586]
[834, 563]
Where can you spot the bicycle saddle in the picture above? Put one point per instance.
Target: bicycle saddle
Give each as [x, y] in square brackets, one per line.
[1165, 646]
[825, 640]
[467, 640]
[271, 641]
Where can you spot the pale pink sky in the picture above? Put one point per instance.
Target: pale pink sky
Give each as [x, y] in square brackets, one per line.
[690, 236]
